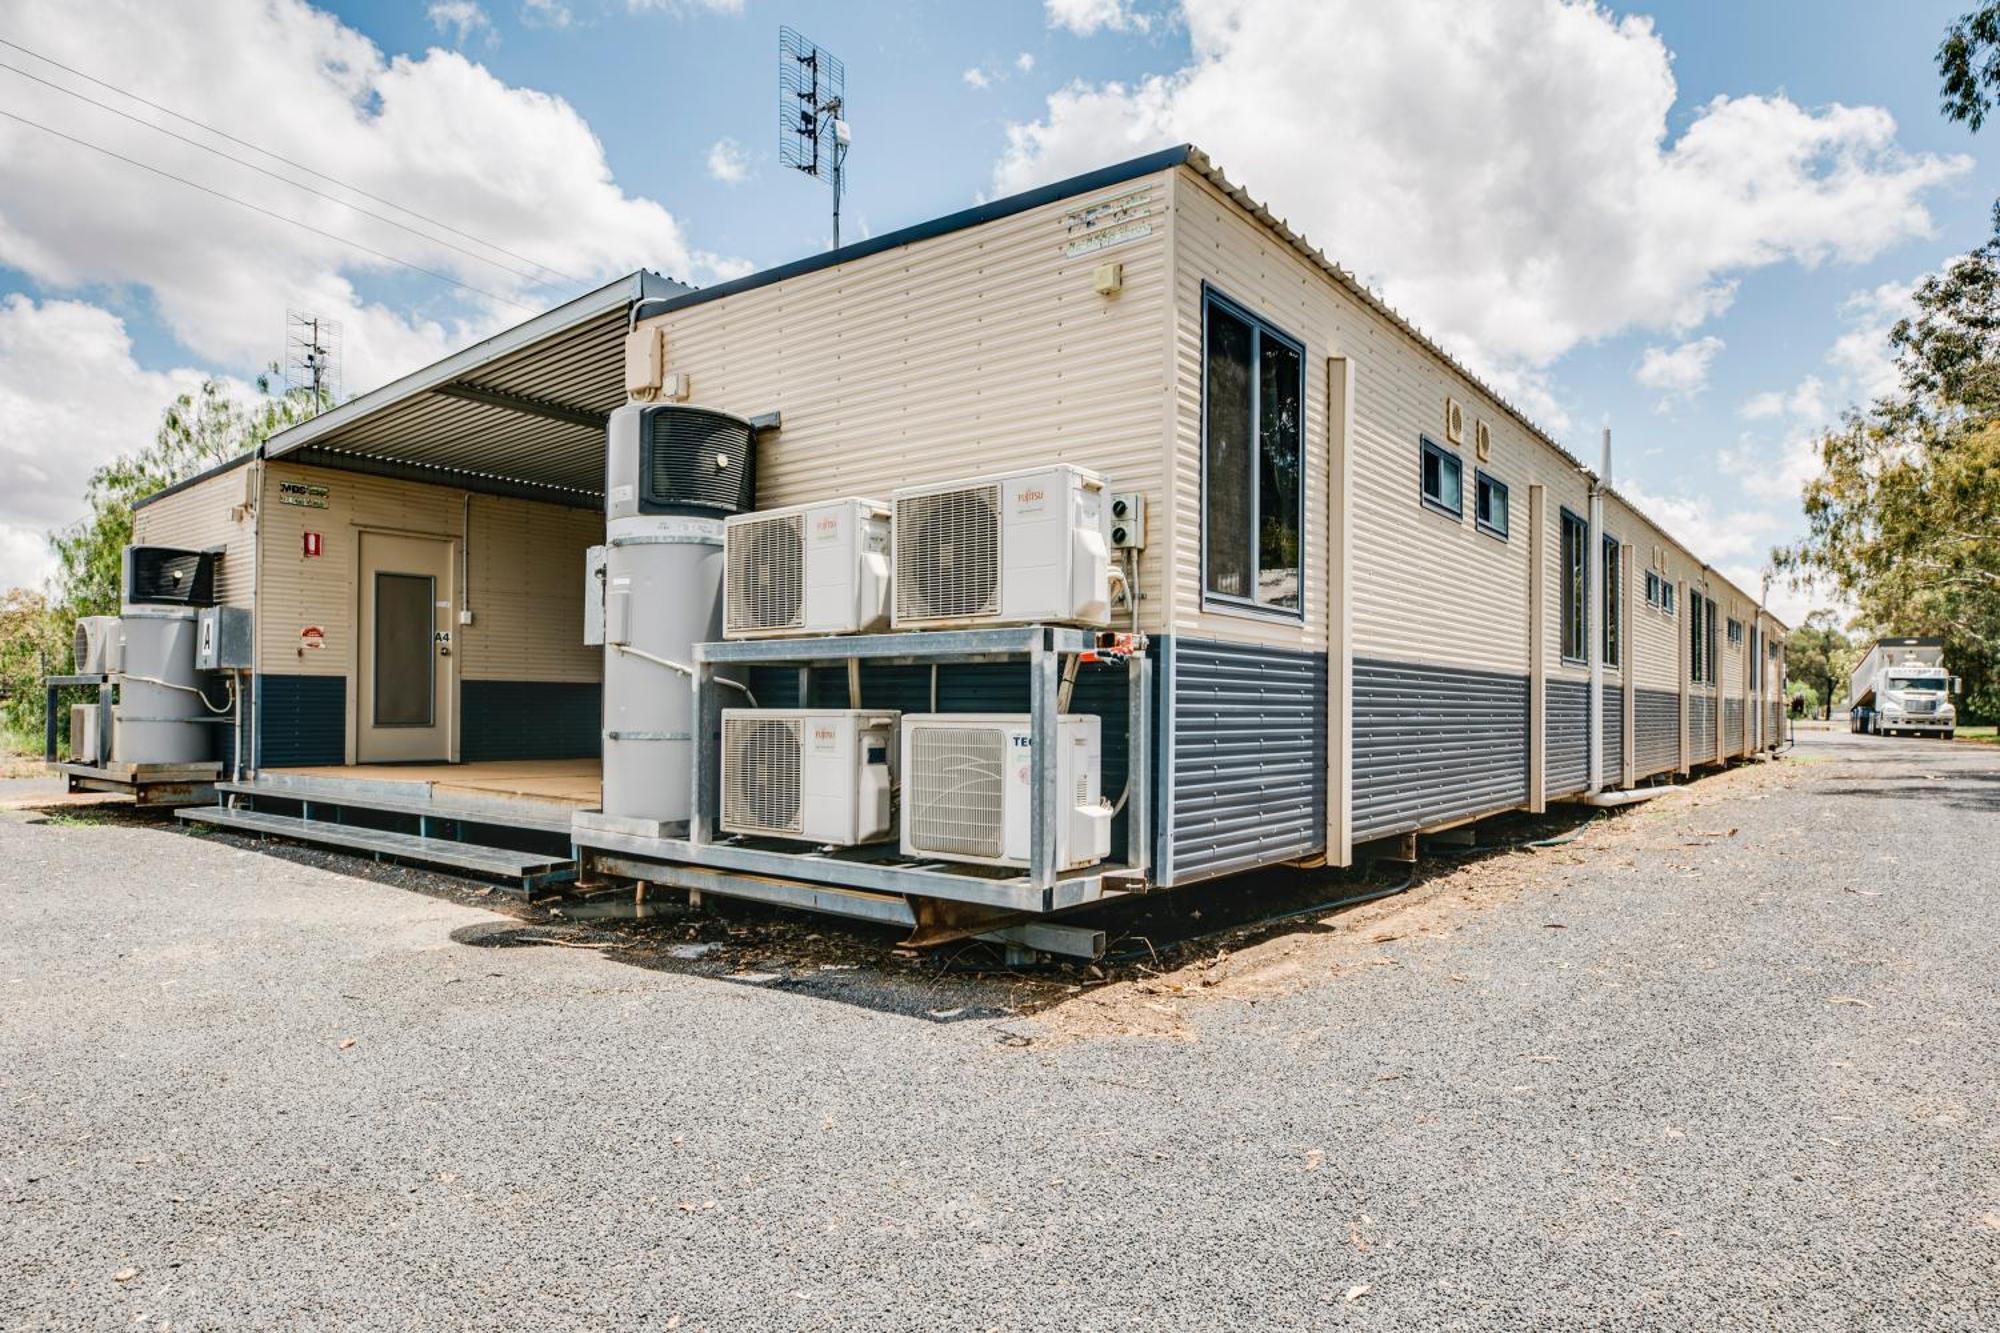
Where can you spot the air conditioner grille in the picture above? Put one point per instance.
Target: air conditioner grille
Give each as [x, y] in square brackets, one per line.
[957, 791]
[762, 760]
[767, 573]
[948, 554]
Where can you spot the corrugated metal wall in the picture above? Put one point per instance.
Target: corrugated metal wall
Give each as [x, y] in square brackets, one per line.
[1568, 743]
[1243, 738]
[1659, 739]
[207, 514]
[1732, 726]
[1701, 729]
[300, 720]
[531, 719]
[1433, 744]
[1612, 733]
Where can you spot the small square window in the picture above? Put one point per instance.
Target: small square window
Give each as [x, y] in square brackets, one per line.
[1443, 480]
[1489, 504]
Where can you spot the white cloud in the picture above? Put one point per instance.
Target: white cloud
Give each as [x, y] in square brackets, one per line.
[1025, 62]
[727, 162]
[462, 18]
[975, 77]
[1085, 17]
[1680, 373]
[439, 134]
[1808, 400]
[546, 14]
[71, 399]
[679, 7]
[1535, 196]
[1862, 354]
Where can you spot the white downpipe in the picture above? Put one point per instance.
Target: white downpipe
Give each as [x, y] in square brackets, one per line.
[1594, 559]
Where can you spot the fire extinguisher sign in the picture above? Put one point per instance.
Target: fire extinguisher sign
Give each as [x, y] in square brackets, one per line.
[312, 543]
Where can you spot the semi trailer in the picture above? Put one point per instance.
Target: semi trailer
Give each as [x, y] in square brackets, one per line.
[1901, 687]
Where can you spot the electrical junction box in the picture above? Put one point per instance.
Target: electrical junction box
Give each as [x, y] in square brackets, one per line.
[222, 639]
[1128, 521]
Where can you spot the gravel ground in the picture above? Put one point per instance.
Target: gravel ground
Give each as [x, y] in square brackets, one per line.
[1729, 1060]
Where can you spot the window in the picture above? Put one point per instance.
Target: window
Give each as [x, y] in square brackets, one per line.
[1667, 595]
[1253, 395]
[1489, 504]
[1701, 640]
[1575, 588]
[1652, 588]
[1736, 633]
[1613, 590]
[1444, 479]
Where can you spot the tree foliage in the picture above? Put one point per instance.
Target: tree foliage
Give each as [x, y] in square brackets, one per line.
[197, 430]
[1904, 518]
[1969, 66]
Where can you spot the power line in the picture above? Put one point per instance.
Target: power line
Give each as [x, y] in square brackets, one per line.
[258, 208]
[280, 157]
[298, 185]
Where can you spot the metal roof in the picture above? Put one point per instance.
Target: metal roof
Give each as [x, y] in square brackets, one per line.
[522, 412]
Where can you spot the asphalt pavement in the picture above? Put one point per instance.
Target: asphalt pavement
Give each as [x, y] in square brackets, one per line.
[1730, 1059]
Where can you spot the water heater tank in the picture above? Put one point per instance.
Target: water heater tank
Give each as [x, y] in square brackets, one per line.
[672, 474]
[159, 717]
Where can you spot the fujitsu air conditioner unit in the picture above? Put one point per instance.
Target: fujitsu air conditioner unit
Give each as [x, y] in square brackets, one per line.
[809, 569]
[967, 794]
[96, 645]
[1021, 548]
[85, 741]
[818, 775]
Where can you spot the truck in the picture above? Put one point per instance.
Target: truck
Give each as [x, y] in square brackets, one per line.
[1902, 688]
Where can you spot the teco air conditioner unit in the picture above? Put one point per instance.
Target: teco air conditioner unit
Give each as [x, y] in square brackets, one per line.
[809, 569]
[966, 794]
[1017, 549]
[818, 775]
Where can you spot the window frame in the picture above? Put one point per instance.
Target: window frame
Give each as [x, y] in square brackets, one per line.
[1480, 476]
[1566, 522]
[1426, 446]
[1611, 554]
[1211, 297]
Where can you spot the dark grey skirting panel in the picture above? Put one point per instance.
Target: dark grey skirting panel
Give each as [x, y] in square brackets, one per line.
[1701, 729]
[1613, 733]
[1659, 738]
[530, 719]
[1243, 757]
[1568, 744]
[1433, 744]
[300, 720]
[1732, 726]
[1774, 726]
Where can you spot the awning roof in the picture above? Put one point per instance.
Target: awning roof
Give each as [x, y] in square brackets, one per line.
[521, 413]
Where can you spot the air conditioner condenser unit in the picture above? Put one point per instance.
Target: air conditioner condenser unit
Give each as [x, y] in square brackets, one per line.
[967, 792]
[808, 569]
[86, 742]
[1021, 548]
[821, 775]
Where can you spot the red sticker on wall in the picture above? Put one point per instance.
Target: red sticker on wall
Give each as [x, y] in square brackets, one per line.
[312, 543]
[312, 636]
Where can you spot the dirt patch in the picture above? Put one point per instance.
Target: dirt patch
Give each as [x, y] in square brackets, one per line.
[1257, 961]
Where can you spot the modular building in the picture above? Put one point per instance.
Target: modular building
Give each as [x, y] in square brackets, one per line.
[1370, 597]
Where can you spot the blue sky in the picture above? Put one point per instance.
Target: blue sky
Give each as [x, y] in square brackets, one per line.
[128, 287]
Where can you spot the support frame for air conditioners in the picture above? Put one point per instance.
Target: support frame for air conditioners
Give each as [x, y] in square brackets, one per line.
[1038, 889]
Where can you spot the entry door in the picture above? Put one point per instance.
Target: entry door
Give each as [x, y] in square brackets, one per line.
[405, 650]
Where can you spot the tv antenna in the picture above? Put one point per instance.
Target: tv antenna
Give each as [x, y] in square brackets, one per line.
[312, 357]
[812, 113]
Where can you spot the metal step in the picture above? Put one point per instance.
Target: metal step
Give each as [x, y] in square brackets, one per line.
[531, 870]
[404, 798]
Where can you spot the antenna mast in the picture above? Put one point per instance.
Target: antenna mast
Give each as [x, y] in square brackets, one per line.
[312, 357]
[812, 113]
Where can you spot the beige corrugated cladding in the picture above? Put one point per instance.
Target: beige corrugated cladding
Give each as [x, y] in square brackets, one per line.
[525, 561]
[977, 351]
[215, 511]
